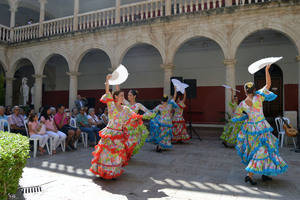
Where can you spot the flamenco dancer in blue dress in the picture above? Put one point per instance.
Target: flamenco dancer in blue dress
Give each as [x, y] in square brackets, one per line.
[256, 144]
[161, 125]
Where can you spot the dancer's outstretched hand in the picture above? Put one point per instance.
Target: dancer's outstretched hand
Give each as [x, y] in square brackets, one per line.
[268, 67]
[108, 77]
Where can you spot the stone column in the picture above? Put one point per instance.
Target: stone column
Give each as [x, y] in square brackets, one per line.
[38, 91]
[168, 73]
[42, 16]
[230, 80]
[9, 91]
[73, 88]
[13, 4]
[168, 7]
[118, 12]
[76, 11]
[298, 61]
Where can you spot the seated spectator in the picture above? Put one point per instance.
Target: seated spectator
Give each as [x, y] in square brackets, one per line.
[51, 129]
[53, 111]
[94, 121]
[104, 116]
[3, 116]
[74, 113]
[22, 112]
[8, 110]
[80, 102]
[16, 122]
[38, 130]
[62, 121]
[100, 112]
[83, 123]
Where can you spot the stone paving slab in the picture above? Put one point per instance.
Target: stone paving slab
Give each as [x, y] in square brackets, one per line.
[200, 170]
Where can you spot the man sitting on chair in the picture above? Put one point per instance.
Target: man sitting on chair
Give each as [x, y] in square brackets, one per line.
[16, 122]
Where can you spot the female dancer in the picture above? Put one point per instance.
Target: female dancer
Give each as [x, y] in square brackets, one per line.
[231, 129]
[256, 145]
[110, 153]
[179, 128]
[161, 126]
[136, 141]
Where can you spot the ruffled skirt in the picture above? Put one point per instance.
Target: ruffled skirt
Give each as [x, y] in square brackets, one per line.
[136, 139]
[110, 154]
[179, 130]
[231, 130]
[258, 149]
[160, 133]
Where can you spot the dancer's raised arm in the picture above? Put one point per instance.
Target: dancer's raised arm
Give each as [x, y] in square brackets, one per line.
[107, 84]
[175, 93]
[268, 78]
[117, 87]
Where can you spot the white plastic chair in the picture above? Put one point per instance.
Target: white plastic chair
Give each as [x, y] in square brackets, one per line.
[2, 125]
[84, 135]
[281, 132]
[35, 142]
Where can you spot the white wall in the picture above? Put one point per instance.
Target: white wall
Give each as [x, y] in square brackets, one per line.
[93, 68]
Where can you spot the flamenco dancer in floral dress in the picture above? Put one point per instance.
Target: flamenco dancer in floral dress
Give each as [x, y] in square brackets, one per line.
[161, 126]
[231, 130]
[110, 155]
[138, 135]
[179, 127]
[256, 144]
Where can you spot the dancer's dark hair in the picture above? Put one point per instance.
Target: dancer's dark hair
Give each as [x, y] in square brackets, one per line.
[165, 98]
[134, 92]
[250, 88]
[116, 93]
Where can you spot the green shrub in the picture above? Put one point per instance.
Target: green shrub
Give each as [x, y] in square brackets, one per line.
[14, 151]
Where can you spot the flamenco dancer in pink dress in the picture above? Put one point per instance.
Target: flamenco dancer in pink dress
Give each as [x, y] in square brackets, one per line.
[110, 155]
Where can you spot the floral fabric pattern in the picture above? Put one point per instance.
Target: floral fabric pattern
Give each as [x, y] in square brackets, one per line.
[256, 145]
[138, 135]
[231, 129]
[110, 155]
[179, 126]
[161, 125]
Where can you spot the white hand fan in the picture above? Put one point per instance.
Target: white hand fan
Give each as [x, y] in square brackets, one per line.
[228, 87]
[258, 65]
[119, 76]
[180, 87]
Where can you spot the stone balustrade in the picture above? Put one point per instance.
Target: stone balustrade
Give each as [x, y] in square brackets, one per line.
[121, 14]
[57, 26]
[27, 32]
[96, 19]
[4, 33]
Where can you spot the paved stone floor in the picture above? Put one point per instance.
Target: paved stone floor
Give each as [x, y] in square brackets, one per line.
[201, 170]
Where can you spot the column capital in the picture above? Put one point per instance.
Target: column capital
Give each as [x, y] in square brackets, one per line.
[167, 66]
[13, 5]
[298, 58]
[229, 62]
[39, 76]
[73, 74]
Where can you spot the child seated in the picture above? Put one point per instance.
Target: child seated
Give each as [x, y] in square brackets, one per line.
[38, 130]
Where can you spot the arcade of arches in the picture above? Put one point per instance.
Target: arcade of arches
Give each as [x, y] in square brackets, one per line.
[78, 65]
